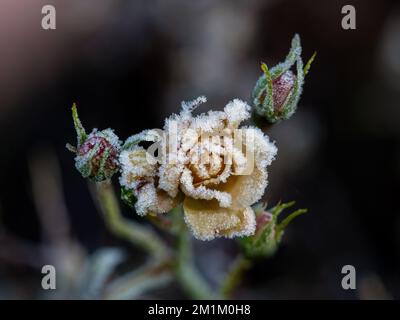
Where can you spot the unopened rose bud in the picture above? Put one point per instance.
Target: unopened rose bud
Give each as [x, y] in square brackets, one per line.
[277, 91]
[262, 220]
[97, 153]
[97, 157]
[269, 232]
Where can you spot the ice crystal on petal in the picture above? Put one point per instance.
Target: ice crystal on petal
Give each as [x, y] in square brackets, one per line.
[201, 192]
[207, 224]
[237, 111]
[189, 106]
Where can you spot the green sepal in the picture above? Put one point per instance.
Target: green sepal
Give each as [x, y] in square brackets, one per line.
[309, 62]
[259, 208]
[290, 105]
[128, 197]
[280, 228]
[261, 245]
[80, 130]
[291, 58]
[146, 135]
[85, 165]
[71, 148]
[262, 94]
[266, 242]
[102, 173]
[277, 210]
[131, 142]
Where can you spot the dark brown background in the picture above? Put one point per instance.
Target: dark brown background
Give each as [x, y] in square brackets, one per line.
[128, 64]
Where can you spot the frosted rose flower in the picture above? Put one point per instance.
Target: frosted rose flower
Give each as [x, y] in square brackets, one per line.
[215, 168]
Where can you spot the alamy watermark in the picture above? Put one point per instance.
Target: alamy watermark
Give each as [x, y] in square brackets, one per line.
[349, 18]
[349, 280]
[49, 17]
[207, 149]
[49, 278]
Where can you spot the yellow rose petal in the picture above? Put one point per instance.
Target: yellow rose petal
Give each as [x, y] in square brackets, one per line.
[207, 220]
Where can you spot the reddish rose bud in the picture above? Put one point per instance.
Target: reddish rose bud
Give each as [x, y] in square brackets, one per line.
[97, 153]
[262, 220]
[97, 157]
[278, 90]
[269, 231]
[281, 88]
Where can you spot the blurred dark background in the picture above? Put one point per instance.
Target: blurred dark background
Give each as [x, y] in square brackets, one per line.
[129, 64]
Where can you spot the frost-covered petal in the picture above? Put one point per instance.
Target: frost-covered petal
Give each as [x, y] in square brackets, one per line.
[146, 135]
[264, 150]
[189, 139]
[202, 192]
[139, 176]
[169, 176]
[209, 122]
[239, 161]
[189, 106]
[237, 111]
[208, 221]
[134, 166]
[248, 188]
[221, 178]
[153, 201]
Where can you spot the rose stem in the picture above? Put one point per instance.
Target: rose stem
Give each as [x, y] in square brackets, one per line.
[186, 272]
[137, 234]
[234, 276]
